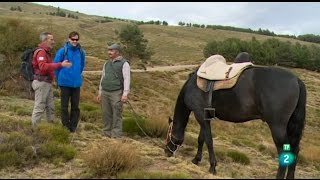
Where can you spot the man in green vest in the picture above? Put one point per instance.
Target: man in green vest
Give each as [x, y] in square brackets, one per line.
[113, 91]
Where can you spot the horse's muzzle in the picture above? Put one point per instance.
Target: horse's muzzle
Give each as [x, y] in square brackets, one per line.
[167, 152]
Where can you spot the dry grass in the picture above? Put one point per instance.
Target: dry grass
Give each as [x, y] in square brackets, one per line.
[109, 159]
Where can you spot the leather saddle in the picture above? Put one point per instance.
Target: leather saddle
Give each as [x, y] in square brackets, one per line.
[222, 75]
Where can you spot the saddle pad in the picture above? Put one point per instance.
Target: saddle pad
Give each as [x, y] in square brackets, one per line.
[215, 68]
[220, 84]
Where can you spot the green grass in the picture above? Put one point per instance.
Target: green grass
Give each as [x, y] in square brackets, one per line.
[239, 157]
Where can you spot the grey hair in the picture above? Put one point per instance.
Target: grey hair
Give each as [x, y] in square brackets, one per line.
[44, 35]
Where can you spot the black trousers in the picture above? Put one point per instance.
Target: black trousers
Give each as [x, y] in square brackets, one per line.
[70, 120]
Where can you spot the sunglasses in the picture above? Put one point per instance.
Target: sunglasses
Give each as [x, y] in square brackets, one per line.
[74, 39]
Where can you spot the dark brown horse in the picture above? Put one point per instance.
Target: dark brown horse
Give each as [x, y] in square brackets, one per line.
[271, 94]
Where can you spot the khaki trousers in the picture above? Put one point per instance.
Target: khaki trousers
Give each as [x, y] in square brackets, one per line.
[43, 101]
[112, 106]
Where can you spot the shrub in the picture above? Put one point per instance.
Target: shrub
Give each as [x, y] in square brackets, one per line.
[53, 150]
[156, 127]
[23, 148]
[111, 159]
[9, 159]
[52, 132]
[14, 149]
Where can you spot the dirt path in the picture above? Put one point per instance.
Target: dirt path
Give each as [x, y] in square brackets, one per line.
[155, 68]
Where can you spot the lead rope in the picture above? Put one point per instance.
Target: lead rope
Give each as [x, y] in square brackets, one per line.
[136, 120]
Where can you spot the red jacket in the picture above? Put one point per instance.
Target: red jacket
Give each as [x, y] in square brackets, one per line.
[43, 65]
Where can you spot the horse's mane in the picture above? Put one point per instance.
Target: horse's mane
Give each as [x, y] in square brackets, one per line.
[192, 73]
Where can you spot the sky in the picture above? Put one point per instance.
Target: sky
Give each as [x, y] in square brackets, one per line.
[288, 18]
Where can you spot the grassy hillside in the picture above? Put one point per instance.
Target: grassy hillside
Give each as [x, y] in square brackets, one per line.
[243, 150]
[172, 45]
[153, 96]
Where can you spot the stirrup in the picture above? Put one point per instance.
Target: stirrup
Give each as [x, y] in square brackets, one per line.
[208, 112]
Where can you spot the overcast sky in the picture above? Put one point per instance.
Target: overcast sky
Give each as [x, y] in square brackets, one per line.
[293, 18]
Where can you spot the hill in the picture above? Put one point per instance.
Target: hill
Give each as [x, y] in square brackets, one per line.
[153, 96]
[171, 44]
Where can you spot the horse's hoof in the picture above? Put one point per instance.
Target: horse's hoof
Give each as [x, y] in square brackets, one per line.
[213, 171]
[195, 161]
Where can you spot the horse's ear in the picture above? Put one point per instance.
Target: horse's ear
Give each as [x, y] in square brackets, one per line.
[170, 120]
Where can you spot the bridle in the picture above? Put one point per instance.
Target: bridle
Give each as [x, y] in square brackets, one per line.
[170, 136]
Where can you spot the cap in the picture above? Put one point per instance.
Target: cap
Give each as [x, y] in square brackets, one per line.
[114, 46]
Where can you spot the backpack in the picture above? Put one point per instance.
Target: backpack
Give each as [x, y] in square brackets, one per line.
[26, 68]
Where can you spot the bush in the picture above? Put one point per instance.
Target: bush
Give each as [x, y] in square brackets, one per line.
[53, 150]
[156, 127]
[52, 132]
[14, 149]
[9, 159]
[19, 147]
[111, 159]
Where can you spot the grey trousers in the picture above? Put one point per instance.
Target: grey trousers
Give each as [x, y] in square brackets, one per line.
[43, 101]
[112, 107]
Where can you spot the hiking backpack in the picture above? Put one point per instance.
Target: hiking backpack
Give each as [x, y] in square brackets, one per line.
[26, 64]
[26, 68]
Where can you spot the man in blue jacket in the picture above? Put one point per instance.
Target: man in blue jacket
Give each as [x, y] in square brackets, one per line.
[69, 79]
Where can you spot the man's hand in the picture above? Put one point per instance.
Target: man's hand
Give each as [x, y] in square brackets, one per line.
[66, 63]
[124, 99]
[98, 98]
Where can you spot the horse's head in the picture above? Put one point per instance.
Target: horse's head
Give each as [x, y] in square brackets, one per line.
[172, 143]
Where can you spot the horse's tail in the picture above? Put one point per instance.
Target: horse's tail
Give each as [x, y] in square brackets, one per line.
[297, 120]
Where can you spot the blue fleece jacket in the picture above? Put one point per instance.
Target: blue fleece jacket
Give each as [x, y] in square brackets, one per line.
[70, 76]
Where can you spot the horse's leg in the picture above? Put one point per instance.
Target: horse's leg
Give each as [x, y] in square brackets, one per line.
[295, 128]
[292, 167]
[205, 132]
[294, 139]
[280, 137]
[198, 156]
[209, 143]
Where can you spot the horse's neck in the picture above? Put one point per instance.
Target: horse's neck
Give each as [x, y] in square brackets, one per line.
[181, 116]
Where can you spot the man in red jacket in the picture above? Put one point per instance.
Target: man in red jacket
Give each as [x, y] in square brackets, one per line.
[43, 76]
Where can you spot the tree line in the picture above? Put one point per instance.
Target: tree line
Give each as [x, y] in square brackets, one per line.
[269, 52]
[306, 37]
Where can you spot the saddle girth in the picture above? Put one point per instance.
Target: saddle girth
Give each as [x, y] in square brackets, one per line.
[209, 112]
